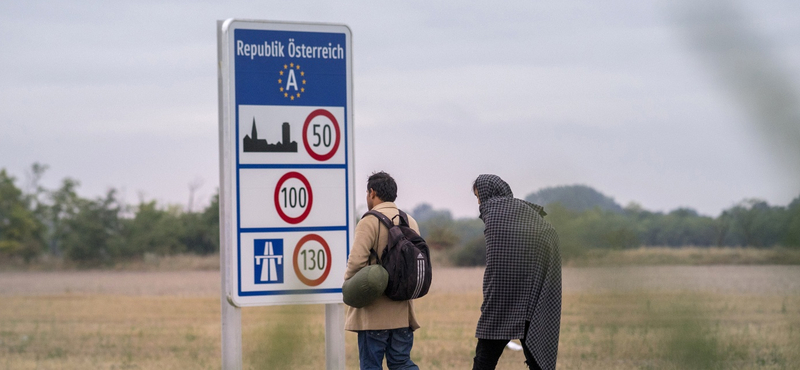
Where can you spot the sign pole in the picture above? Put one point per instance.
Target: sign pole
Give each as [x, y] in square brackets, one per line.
[231, 336]
[334, 336]
[231, 316]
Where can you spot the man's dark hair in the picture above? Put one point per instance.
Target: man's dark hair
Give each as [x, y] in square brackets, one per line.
[384, 186]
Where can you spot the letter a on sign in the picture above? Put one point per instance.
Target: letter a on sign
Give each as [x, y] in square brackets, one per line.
[291, 81]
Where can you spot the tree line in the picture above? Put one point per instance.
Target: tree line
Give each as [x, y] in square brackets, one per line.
[93, 232]
[585, 219]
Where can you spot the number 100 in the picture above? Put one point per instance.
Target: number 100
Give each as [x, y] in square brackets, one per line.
[293, 197]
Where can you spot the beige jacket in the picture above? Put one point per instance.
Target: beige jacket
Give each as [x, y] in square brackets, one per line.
[384, 313]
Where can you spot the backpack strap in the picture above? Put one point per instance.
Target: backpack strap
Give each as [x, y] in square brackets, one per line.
[373, 253]
[386, 222]
[403, 218]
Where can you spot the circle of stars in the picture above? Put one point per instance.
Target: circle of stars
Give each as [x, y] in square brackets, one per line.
[283, 73]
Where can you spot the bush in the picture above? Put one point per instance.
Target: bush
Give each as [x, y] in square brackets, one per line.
[93, 234]
[471, 254]
[20, 231]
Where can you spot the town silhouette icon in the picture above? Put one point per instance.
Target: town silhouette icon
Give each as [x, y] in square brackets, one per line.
[252, 143]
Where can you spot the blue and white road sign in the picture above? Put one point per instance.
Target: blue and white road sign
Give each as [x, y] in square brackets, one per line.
[268, 261]
[286, 157]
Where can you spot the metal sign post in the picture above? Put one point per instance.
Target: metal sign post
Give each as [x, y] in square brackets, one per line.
[286, 172]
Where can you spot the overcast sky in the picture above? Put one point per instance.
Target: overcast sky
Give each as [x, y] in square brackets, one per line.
[608, 94]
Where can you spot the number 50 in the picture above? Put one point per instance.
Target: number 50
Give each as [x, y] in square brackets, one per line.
[325, 137]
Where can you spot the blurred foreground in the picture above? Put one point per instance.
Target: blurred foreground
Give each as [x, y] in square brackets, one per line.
[661, 317]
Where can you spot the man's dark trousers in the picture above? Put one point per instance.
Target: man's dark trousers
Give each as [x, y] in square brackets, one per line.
[488, 352]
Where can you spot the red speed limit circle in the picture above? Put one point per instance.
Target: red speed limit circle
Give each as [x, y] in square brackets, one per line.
[327, 265]
[306, 205]
[334, 143]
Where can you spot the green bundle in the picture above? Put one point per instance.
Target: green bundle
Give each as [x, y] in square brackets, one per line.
[365, 286]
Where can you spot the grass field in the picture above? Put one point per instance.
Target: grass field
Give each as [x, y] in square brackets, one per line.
[728, 317]
[643, 256]
[694, 256]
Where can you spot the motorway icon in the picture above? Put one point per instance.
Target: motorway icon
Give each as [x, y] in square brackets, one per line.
[268, 261]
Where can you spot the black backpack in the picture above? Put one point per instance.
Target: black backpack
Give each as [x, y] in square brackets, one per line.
[406, 258]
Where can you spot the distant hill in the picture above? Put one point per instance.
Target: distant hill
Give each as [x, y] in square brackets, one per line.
[574, 197]
[425, 212]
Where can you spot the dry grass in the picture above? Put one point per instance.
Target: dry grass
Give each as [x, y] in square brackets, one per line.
[148, 262]
[601, 329]
[680, 331]
[108, 332]
[644, 256]
[655, 256]
[180, 262]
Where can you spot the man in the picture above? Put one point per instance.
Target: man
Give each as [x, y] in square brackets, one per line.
[385, 327]
[522, 281]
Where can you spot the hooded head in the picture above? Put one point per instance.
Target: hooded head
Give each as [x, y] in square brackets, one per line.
[491, 186]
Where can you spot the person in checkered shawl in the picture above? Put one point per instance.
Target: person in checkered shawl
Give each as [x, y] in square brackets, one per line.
[522, 281]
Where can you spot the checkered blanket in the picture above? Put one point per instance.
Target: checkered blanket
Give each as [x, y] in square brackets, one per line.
[522, 281]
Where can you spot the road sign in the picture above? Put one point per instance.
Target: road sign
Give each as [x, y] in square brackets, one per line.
[286, 161]
[290, 197]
